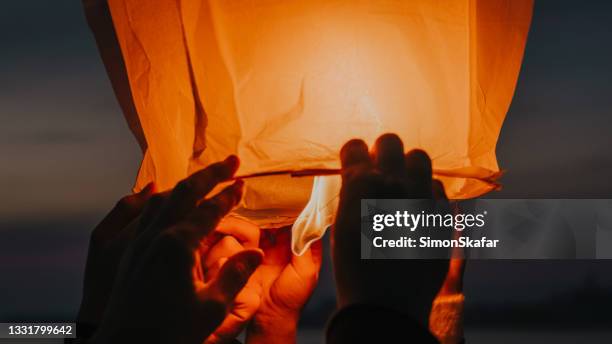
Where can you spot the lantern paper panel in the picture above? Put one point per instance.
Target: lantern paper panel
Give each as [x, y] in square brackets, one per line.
[283, 84]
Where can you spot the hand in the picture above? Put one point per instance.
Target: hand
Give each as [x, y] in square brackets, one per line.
[160, 294]
[234, 236]
[287, 281]
[408, 286]
[106, 247]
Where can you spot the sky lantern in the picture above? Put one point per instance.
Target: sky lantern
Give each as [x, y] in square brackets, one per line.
[283, 84]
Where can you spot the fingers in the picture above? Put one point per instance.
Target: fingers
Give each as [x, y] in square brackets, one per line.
[210, 212]
[206, 216]
[353, 153]
[232, 277]
[188, 192]
[221, 204]
[246, 232]
[419, 172]
[226, 247]
[213, 270]
[217, 297]
[389, 154]
[418, 165]
[308, 265]
[152, 208]
[411, 174]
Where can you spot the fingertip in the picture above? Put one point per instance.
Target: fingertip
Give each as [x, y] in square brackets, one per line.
[419, 172]
[390, 140]
[354, 152]
[233, 162]
[418, 160]
[389, 153]
[254, 257]
[237, 270]
[418, 157]
[250, 259]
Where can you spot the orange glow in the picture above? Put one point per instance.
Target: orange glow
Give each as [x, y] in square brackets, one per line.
[283, 84]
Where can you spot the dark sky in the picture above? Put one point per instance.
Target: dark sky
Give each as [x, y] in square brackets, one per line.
[556, 141]
[66, 154]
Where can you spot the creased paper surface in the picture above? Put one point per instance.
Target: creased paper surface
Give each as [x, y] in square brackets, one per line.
[283, 84]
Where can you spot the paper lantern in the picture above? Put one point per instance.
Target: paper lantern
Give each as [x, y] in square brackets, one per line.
[283, 84]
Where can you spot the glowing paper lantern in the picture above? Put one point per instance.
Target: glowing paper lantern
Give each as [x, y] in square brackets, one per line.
[283, 84]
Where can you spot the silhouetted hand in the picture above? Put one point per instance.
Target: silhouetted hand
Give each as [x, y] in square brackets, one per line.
[408, 286]
[160, 294]
[287, 281]
[106, 247]
[234, 235]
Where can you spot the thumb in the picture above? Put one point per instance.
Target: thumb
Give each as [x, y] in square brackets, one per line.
[232, 277]
[216, 298]
[308, 264]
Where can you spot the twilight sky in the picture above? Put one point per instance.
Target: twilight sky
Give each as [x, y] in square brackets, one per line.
[66, 153]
